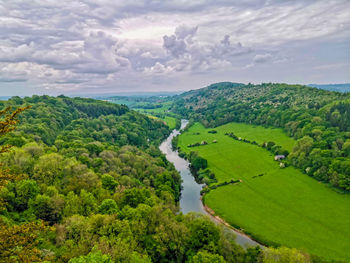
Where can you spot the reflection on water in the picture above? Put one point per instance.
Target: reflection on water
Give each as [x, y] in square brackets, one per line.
[190, 194]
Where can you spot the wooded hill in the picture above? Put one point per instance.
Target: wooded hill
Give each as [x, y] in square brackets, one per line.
[318, 119]
[85, 182]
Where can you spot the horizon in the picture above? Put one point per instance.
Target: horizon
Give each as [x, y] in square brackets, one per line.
[172, 93]
[114, 46]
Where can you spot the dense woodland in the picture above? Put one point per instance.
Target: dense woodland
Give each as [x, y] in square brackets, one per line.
[84, 181]
[318, 119]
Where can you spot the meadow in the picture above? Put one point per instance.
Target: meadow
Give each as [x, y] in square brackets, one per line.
[170, 121]
[283, 206]
[156, 113]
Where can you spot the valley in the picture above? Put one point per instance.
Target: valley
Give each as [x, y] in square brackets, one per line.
[283, 206]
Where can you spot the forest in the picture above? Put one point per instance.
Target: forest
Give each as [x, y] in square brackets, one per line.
[319, 120]
[84, 181]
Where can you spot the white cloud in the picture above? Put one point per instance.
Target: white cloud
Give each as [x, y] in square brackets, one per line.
[81, 44]
[262, 58]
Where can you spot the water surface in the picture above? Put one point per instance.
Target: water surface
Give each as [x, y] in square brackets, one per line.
[190, 195]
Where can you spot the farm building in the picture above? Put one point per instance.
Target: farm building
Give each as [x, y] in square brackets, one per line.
[279, 157]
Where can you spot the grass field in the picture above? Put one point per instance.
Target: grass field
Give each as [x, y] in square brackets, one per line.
[170, 121]
[152, 113]
[283, 206]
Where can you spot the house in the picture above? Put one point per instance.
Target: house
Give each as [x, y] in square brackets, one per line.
[279, 157]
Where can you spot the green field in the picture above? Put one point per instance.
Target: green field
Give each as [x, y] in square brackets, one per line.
[170, 121]
[283, 206]
[159, 113]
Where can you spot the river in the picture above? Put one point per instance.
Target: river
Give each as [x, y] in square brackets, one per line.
[190, 200]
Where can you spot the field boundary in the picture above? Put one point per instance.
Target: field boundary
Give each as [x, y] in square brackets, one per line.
[220, 220]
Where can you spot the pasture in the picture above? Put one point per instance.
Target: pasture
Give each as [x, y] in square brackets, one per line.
[283, 206]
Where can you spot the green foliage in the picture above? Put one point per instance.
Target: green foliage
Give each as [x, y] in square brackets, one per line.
[92, 257]
[46, 208]
[284, 255]
[108, 206]
[206, 257]
[25, 191]
[97, 176]
[303, 112]
[280, 205]
[108, 182]
[199, 163]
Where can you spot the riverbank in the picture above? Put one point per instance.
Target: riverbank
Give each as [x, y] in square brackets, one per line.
[221, 221]
[190, 200]
[273, 205]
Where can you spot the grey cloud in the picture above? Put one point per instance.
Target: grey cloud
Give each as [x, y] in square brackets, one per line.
[12, 80]
[189, 54]
[262, 58]
[177, 43]
[226, 49]
[176, 47]
[81, 42]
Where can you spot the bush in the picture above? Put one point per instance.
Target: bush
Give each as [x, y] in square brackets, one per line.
[199, 163]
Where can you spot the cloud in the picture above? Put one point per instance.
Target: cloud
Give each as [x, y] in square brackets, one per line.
[178, 43]
[262, 58]
[189, 54]
[78, 45]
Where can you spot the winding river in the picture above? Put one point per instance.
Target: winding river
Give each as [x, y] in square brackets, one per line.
[190, 200]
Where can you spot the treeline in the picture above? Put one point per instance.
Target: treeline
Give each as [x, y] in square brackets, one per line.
[53, 120]
[318, 119]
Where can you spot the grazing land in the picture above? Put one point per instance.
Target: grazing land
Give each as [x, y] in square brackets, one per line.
[170, 121]
[153, 107]
[283, 206]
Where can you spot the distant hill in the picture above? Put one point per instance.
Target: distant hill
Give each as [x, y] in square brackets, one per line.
[319, 119]
[333, 87]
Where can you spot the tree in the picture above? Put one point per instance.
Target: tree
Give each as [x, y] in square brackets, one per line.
[44, 208]
[17, 242]
[48, 168]
[9, 122]
[92, 257]
[108, 182]
[199, 163]
[26, 190]
[108, 206]
[206, 257]
[284, 255]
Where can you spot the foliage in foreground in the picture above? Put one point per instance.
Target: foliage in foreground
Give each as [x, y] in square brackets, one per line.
[91, 170]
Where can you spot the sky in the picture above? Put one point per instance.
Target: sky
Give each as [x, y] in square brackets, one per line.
[112, 46]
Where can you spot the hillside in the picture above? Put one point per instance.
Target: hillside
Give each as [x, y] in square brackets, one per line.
[318, 119]
[250, 190]
[85, 182]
